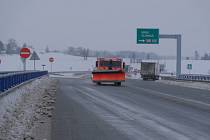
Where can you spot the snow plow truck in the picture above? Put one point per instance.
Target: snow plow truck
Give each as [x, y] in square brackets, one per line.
[109, 70]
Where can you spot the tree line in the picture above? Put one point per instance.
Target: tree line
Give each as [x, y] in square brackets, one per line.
[11, 47]
[85, 52]
[197, 56]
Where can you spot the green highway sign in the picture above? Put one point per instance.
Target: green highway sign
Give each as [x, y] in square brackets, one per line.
[147, 36]
[189, 66]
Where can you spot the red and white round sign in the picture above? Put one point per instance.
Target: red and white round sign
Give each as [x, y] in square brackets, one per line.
[51, 59]
[25, 52]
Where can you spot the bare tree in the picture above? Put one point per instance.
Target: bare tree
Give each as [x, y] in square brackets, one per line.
[25, 45]
[133, 57]
[47, 50]
[206, 57]
[85, 53]
[196, 55]
[12, 47]
[2, 48]
[148, 56]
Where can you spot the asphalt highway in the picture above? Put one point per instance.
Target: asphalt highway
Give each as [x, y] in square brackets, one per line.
[138, 110]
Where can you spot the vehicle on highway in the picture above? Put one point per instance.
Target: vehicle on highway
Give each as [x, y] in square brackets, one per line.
[109, 70]
[150, 70]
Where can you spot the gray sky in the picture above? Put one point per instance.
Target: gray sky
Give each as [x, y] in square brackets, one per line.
[106, 24]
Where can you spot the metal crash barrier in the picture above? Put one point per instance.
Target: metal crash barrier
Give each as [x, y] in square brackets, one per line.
[193, 77]
[13, 79]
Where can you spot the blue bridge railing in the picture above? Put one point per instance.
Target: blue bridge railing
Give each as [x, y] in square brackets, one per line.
[13, 79]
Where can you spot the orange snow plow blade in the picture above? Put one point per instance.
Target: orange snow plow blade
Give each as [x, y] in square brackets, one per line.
[108, 76]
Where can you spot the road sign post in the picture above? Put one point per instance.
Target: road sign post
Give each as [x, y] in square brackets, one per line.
[43, 67]
[152, 36]
[51, 60]
[24, 54]
[189, 67]
[178, 38]
[34, 57]
[24, 64]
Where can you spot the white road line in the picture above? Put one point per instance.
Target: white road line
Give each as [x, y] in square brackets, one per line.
[175, 98]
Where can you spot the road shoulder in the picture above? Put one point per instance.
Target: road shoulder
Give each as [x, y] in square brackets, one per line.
[189, 84]
[26, 111]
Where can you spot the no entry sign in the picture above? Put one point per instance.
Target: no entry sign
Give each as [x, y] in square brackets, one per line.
[25, 53]
[51, 59]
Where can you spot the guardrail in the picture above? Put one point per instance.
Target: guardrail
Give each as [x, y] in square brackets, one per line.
[194, 77]
[172, 78]
[13, 79]
[8, 72]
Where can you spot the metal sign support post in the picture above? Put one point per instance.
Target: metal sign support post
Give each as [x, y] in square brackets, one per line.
[34, 64]
[51, 60]
[24, 64]
[34, 57]
[51, 67]
[178, 37]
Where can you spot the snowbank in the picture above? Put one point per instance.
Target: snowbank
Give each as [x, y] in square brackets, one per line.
[22, 110]
[190, 84]
[133, 76]
[77, 75]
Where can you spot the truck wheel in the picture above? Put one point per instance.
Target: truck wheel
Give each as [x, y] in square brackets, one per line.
[119, 83]
[98, 83]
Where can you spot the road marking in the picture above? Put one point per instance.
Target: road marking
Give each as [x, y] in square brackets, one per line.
[171, 97]
[128, 113]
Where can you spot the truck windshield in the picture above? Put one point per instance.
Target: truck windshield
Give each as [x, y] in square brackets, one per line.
[110, 64]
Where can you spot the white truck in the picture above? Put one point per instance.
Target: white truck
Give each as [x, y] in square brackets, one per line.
[150, 70]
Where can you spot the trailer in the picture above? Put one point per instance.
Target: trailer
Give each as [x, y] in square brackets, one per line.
[150, 70]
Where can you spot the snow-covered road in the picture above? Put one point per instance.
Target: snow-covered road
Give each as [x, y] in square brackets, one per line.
[134, 111]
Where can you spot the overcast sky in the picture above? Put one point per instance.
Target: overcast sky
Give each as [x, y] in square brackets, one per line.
[106, 24]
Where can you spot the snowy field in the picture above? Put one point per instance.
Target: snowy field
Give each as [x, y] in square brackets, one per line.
[62, 63]
[67, 62]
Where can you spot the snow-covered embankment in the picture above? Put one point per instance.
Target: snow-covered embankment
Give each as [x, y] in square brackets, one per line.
[26, 112]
